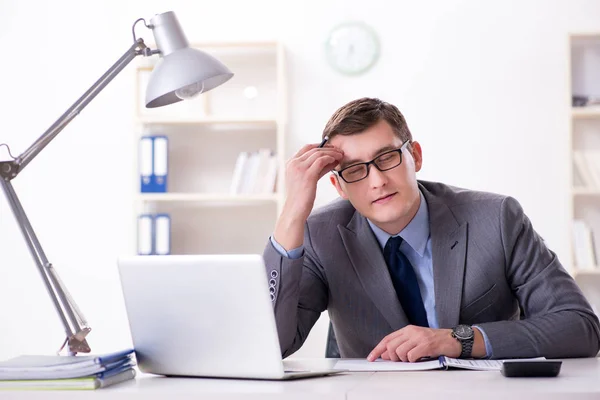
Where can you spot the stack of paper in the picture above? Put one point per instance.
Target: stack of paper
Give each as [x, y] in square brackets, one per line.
[66, 372]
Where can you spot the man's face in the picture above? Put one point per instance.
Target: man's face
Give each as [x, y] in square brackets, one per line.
[390, 198]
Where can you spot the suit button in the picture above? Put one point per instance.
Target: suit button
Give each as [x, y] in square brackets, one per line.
[272, 282]
[272, 290]
[272, 297]
[274, 274]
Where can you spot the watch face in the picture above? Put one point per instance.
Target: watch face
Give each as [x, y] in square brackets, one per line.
[463, 332]
[352, 48]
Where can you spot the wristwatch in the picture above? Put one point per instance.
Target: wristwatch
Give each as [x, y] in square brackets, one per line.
[465, 335]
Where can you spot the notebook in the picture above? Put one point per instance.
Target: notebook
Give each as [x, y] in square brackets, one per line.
[93, 382]
[205, 316]
[438, 363]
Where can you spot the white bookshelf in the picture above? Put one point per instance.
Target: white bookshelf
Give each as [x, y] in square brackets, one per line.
[594, 271]
[206, 135]
[195, 120]
[585, 191]
[210, 198]
[585, 112]
[584, 77]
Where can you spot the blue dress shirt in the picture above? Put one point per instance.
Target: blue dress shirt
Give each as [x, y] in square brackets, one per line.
[416, 246]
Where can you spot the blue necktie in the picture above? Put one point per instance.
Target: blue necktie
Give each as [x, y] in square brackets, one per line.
[405, 282]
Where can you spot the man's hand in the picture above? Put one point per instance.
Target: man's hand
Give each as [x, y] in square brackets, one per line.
[412, 343]
[302, 173]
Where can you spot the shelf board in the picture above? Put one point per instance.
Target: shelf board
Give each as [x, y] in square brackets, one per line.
[584, 272]
[209, 198]
[584, 191]
[160, 120]
[586, 112]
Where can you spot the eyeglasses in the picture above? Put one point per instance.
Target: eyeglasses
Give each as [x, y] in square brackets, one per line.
[383, 162]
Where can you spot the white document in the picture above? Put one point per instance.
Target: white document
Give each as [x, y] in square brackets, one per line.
[384, 365]
[483, 365]
[440, 363]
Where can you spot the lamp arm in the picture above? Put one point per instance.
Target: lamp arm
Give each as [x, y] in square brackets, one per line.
[71, 317]
[16, 166]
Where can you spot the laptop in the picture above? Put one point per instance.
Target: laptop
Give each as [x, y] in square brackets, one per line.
[205, 316]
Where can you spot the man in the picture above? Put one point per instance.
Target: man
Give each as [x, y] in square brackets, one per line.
[410, 269]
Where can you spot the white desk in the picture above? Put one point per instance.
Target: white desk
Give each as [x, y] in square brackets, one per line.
[151, 387]
[578, 379]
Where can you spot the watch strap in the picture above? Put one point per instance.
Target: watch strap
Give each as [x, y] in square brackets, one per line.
[467, 348]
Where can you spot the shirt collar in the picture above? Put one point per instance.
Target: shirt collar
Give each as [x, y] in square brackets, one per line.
[415, 233]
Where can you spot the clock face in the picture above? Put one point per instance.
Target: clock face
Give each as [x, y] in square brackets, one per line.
[352, 48]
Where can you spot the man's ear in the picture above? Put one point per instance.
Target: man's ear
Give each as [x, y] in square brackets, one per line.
[417, 155]
[333, 178]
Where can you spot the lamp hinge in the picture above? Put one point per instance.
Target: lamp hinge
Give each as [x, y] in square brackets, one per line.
[8, 169]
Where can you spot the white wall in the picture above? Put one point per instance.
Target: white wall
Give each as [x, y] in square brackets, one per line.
[483, 85]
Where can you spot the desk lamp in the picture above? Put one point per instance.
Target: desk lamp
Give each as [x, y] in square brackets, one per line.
[180, 73]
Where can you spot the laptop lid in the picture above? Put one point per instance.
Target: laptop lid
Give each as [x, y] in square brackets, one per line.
[201, 315]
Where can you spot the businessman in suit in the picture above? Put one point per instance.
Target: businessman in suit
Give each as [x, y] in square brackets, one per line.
[408, 268]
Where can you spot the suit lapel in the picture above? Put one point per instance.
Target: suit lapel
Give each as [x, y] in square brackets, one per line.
[368, 262]
[448, 248]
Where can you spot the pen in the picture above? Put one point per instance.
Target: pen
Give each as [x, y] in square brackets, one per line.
[325, 139]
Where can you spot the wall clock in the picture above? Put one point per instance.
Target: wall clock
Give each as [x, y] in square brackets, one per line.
[352, 48]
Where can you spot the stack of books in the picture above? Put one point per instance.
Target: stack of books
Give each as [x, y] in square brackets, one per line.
[66, 372]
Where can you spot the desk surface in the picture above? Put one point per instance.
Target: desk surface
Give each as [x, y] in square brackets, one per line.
[578, 379]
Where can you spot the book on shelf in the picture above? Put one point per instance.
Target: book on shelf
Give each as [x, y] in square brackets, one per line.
[584, 250]
[587, 168]
[254, 173]
[442, 362]
[264, 156]
[238, 172]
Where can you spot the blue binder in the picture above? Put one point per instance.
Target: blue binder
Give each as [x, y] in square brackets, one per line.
[160, 164]
[145, 231]
[145, 158]
[162, 234]
[154, 164]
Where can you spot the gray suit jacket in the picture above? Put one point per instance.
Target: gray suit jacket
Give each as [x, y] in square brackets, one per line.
[490, 268]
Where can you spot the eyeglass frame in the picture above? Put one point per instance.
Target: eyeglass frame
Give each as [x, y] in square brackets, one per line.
[368, 163]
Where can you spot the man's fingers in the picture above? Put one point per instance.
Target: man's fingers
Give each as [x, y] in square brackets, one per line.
[332, 151]
[377, 352]
[321, 166]
[383, 345]
[402, 350]
[393, 346]
[416, 353]
[305, 149]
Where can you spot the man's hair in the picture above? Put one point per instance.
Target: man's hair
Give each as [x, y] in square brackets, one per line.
[361, 114]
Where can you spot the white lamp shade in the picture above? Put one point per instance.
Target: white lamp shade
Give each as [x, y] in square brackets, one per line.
[183, 67]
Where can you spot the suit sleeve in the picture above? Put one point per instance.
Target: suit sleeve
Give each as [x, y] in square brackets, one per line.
[299, 293]
[558, 321]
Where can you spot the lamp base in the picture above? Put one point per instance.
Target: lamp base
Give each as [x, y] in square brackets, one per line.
[78, 346]
[77, 342]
